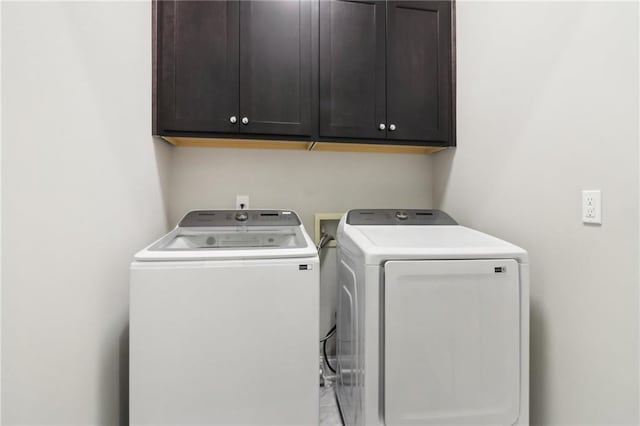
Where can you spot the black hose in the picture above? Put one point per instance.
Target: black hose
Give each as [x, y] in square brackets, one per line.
[324, 350]
[324, 240]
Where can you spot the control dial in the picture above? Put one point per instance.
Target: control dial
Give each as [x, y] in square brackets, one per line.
[402, 215]
[242, 216]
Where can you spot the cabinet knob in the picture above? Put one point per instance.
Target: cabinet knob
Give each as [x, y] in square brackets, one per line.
[233, 119]
[381, 126]
[245, 120]
[392, 127]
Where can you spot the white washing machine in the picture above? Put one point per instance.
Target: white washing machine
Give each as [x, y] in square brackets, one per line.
[224, 323]
[433, 322]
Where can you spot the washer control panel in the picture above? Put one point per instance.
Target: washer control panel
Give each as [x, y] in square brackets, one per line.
[399, 217]
[199, 218]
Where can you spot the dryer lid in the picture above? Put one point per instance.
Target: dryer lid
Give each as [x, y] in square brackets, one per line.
[379, 243]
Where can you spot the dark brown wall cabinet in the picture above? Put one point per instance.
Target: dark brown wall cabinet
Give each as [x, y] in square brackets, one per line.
[234, 67]
[350, 71]
[386, 70]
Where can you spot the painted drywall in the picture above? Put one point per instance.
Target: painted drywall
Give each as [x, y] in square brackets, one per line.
[83, 189]
[0, 221]
[547, 107]
[306, 182]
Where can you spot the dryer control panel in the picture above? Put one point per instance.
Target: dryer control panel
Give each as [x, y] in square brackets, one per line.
[199, 218]
[399, 217]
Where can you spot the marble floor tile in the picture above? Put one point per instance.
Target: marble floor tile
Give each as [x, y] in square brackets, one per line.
[329, 412]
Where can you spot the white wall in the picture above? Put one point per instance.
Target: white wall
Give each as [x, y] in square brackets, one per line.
[307, 182]
[548, 106]
[0, 221]
[82, 190]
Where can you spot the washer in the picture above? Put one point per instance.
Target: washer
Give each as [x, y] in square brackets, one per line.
[433, 322]
[224, 322]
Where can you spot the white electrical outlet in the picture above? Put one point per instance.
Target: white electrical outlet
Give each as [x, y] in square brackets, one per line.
[592, 207]
[242, 202]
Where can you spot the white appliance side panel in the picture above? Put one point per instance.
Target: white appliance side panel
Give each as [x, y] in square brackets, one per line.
[348, 387]
[224, 343]
[523, 418]
[452, 342]
[373, 387]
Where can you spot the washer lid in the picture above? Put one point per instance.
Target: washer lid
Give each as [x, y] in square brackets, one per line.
[228, 234]
[385, 242]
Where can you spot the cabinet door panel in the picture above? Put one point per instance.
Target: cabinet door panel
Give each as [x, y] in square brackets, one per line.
[275, 67]
[198, 65]
[419, 70]
[352, 68]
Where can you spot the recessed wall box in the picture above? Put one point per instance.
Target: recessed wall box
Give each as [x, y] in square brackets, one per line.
[326, 223]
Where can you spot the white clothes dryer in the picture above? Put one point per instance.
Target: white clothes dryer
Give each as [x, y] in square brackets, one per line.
[224, 322]
[433, 322]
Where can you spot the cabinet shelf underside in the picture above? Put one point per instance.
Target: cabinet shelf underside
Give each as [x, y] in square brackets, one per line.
[300, 145]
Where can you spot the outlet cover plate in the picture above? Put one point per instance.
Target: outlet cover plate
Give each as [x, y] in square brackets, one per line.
[242, 202]
[592, 207]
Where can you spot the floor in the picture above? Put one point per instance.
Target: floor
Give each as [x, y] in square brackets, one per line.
[329, 412]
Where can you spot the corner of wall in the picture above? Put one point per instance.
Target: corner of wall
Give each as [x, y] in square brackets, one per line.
[1, 6]
[164, 156]
[638, 236]
[441, 165]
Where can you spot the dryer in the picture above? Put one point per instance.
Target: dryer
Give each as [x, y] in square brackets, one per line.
[224, 322]
[432, 323]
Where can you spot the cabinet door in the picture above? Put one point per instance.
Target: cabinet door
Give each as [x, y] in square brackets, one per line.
[419, 70]
[198, 65]
[275, 67]
[352, 69]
